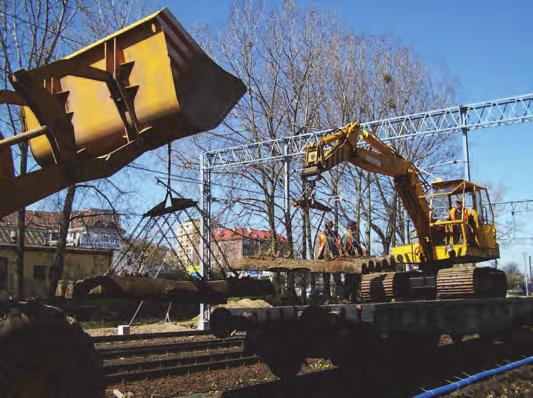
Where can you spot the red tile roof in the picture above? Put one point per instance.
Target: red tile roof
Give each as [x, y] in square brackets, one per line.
[34, 220]
[49, 220]
[221, 234]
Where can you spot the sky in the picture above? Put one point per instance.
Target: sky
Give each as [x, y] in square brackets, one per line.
[487, 48]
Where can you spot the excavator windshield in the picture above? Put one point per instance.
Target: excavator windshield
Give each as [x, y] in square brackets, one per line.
[461, 213]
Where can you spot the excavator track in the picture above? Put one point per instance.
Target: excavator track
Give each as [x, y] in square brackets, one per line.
[471, 282]
[456, 282]
[372, 288]
[384, 287]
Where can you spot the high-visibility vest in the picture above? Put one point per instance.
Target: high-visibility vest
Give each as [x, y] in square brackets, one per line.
[453, 214]
[329, 243]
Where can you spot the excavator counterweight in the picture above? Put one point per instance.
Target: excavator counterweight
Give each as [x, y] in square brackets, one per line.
[93, 112]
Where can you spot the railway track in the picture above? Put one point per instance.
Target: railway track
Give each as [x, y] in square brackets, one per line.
[143, 360]
[149, 336]
[150, 369]
[169, 348]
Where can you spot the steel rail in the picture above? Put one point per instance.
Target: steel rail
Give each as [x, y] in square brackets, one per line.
[114, 352]
[171, 362]
[180, 369]
[148, 336]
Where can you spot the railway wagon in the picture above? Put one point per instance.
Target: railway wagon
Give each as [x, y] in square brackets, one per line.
[349, 334]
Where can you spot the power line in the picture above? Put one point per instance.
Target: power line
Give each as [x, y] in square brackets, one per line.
[194, 181]
[42, 28]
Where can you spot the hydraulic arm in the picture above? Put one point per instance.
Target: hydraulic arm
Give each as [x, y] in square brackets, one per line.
[344, 146]
[442, 241]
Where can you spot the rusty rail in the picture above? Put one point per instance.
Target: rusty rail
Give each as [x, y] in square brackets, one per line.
[177, 366]
[146, 350]
[149, 336]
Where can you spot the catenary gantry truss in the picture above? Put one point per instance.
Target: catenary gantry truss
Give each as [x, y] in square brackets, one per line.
[457, 119]
[494, 113]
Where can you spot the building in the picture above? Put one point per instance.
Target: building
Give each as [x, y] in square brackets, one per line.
[38, 264]
[226, 243]
[243, 242]
[95, 228]
[91, 228]
[92, 236]
[188, 245]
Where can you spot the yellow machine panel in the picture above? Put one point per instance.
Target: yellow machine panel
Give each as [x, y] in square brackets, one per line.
[174, 86]
[90, 114]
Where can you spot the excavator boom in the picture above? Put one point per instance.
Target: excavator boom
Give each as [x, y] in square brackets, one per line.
[344, 146]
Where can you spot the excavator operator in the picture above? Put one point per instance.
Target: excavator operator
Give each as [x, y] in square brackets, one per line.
[468, 216]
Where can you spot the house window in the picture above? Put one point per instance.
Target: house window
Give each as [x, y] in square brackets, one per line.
[3, 273]
[39, 272]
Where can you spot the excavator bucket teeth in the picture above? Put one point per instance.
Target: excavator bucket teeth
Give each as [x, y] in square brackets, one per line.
[102, 107]
[171, 83]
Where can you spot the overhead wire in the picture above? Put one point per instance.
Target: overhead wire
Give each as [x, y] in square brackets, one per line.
[35, 25]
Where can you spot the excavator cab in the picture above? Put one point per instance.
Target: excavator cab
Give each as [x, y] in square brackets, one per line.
[462, 225]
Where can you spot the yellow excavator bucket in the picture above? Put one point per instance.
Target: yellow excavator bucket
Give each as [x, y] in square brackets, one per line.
[90, 114]
[174, 88]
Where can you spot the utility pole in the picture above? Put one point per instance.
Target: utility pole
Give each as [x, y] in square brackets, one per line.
[205, 232]
[528, 276]
[288, 223]
[369, 213]
[463, 112]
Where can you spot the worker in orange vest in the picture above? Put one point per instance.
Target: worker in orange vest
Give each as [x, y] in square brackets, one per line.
[461, 213]
[350, 240]
[329, 242]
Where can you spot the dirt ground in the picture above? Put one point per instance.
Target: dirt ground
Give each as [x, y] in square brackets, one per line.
[517, 383]
[209, 383]
[155, 327]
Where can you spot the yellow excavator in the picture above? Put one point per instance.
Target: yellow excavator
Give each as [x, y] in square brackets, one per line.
[86, 117]
[450, 240]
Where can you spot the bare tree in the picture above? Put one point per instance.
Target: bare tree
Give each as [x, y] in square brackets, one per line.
[32, 33]
[101, 17]
[305, 71]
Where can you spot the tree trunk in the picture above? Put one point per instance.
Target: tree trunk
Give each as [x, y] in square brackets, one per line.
[21, 226]
[59, 258]
[369, 213]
